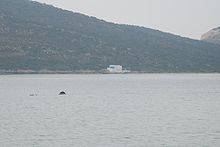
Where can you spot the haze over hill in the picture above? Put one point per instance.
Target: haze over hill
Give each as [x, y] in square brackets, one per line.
[36, 36]
[188, 18]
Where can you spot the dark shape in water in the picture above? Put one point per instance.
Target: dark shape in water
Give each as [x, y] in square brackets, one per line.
[33, 95]
[62, 93]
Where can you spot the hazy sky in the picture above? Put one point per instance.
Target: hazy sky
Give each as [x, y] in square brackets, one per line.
[188, 18]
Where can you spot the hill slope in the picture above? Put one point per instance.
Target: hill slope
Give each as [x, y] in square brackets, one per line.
[36, 36]
[212, 36]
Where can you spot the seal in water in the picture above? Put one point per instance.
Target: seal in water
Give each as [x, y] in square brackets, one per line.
[62, 93]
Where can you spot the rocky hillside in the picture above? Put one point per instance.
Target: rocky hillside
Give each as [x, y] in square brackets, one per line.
[35, 36]
[212, 36]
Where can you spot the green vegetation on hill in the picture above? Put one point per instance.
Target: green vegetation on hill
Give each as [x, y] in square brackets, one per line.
[36, 36]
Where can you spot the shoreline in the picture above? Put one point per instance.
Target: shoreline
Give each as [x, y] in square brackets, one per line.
[22, 72]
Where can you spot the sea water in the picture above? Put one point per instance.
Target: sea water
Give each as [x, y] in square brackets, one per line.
[128, 110]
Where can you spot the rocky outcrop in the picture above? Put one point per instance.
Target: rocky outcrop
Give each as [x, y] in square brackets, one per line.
[212, 36]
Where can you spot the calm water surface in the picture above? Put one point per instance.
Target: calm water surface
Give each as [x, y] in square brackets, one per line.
[145, 110]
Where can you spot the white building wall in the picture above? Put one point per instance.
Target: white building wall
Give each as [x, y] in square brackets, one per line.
[115, 69]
